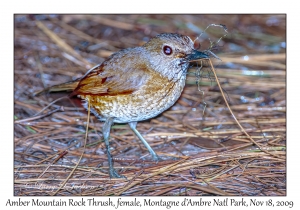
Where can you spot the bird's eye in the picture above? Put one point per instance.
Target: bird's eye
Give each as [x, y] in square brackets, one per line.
[167, 50]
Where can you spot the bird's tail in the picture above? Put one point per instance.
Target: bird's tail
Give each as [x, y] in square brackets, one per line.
[66, 87]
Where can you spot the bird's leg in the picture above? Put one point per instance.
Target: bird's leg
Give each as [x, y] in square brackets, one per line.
[106, 131]
[132, 125]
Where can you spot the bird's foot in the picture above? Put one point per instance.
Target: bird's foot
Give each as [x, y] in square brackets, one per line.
[114, 174]
[156, 158]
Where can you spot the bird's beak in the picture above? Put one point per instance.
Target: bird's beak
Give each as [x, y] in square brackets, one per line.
[196, 55]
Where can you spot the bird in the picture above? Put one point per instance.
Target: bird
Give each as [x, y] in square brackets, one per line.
[135, 84]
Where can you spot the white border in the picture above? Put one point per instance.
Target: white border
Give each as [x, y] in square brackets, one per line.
[154, 6]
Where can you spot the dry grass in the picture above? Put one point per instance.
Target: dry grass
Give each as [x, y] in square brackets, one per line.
[204, 152]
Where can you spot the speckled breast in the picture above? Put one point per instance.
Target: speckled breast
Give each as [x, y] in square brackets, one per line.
[149, 101]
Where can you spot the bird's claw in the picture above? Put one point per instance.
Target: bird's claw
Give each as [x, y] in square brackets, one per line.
[156, 158]
[114, 174]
